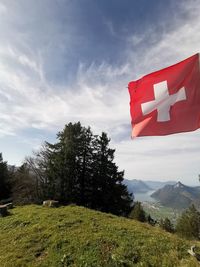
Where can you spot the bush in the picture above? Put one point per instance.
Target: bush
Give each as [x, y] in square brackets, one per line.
[188, 225]
[167, 225]
[137, 212]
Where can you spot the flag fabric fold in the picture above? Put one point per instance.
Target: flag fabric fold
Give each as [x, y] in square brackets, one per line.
[167, 101]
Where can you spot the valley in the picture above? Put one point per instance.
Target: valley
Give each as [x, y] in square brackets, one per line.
[163, 199]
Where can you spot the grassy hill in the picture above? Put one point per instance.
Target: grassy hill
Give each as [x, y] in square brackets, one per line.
[79, 237]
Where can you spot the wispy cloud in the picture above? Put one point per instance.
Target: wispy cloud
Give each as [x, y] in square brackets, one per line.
[45, 82]
[177, 38]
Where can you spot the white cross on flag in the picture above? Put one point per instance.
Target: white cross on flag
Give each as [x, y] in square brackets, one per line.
[167, 101]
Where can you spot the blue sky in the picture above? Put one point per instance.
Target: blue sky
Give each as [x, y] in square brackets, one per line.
[64, 60]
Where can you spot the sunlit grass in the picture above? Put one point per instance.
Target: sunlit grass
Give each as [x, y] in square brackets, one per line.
[76, 236]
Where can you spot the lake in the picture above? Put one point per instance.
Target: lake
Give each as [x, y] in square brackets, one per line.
[144, 196]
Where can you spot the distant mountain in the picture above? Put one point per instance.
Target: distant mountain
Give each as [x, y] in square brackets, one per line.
[178, 196]
[157, 184]
[139, 186]
[136, 186]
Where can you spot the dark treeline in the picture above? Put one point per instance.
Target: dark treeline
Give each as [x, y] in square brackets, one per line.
[5, 179]
[79, 168]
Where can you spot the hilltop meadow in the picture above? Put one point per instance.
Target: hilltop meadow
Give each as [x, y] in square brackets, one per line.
[74, 236]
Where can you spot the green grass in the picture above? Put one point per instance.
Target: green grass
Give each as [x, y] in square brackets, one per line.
[76, 236]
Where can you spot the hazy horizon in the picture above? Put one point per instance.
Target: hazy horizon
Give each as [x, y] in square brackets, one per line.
[160, 180]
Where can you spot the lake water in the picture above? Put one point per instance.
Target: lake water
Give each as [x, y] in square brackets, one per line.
[144, 196]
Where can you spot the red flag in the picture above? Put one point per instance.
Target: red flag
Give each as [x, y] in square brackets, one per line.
[167, 101]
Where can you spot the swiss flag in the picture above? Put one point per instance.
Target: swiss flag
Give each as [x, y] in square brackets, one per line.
[167, 101]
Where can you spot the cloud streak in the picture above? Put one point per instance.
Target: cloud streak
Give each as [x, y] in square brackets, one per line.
[45, 81]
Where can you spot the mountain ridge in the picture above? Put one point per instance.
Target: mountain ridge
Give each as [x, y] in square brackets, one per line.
[143, 186]
[178, 196]
[136, 186]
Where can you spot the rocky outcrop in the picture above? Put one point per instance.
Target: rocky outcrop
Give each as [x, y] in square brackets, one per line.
[50, 203]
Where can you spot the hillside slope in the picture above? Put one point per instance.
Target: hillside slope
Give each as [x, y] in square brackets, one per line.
[79, 237]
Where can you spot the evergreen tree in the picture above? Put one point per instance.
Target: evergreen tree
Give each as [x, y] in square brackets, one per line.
[4, 179]
[150, 220]
[79, 168]
[68, 168]
[188, 225]
[138, 212]
[167, 225]
[109, 194]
